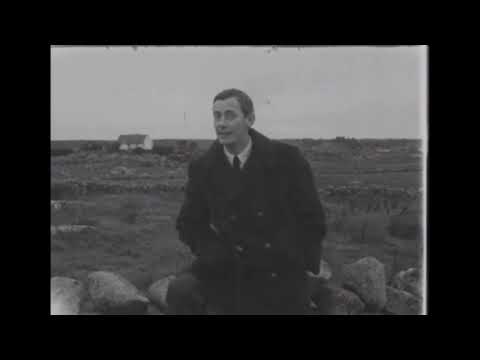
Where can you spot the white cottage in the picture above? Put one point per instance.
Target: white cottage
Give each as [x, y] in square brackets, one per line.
[133, 141]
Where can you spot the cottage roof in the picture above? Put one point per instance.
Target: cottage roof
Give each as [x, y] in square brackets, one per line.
[132, 139]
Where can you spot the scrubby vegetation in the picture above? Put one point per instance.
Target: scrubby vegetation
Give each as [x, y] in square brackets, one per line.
[60, 152]
[162, 150]
[131, 199]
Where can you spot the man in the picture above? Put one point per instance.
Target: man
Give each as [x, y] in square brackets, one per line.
[253, 219]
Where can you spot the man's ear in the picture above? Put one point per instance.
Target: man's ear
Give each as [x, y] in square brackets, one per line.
[251, 119]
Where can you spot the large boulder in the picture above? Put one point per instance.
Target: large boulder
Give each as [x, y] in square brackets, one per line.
[66, 296]
[334, 300]
[111, 293]
[408, 280]
[345, 302]
[139, 277]
[367, 279]
[400, 302]
[157, 292]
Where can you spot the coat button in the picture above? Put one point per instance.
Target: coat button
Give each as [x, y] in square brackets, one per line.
[260, 213]
[233, 217]
[239, 248]
[268, 246]
[273, 275]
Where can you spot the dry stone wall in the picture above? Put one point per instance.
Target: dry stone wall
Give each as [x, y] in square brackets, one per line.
[372, 198]
[365, 292]
[76, 189]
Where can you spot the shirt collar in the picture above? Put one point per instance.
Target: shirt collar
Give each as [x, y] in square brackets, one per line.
[243, 156]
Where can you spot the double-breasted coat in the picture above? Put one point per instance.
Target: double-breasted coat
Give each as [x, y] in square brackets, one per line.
[255, 234]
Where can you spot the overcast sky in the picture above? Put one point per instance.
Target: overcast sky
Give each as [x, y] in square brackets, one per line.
[167, 92]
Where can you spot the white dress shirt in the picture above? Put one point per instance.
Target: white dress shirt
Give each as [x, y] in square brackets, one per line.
[243, 156]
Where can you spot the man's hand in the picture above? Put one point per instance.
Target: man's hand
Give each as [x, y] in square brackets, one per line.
[321, 275]
[314, 280]
[312, 275]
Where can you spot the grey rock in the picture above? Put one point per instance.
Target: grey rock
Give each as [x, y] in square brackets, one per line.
[111, 293]
[153, 310]
[66, 296]
[157, 292]
[367, 279]
[89, 313]
[140, 278]
[408, 280]
[87, 306]
[400, 302]
[370, 313]
[346, 302]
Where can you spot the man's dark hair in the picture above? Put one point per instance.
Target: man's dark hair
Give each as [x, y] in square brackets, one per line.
[243, 99]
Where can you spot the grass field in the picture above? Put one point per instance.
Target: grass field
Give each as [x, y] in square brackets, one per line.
[134, 233]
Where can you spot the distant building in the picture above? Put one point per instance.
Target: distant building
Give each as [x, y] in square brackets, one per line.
[133, 141]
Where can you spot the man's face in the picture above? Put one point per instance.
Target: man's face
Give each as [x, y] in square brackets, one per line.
[230, 123]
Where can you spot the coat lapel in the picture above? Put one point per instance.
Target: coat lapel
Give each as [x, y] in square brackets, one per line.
[223, 187]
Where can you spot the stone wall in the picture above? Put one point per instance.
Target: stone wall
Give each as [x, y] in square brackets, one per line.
[364, 291]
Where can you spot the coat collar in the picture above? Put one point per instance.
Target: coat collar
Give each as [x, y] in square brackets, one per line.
[261, 147]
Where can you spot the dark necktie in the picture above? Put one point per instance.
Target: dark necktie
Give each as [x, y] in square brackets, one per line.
[236, 164]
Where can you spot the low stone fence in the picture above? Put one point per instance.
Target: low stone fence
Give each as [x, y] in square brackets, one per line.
[364, 291]
[74, 189]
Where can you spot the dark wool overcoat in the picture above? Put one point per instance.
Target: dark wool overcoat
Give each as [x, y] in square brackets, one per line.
[255, 234]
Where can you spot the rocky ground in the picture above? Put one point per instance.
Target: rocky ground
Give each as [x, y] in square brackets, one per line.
[114, 213]
[364, 291]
